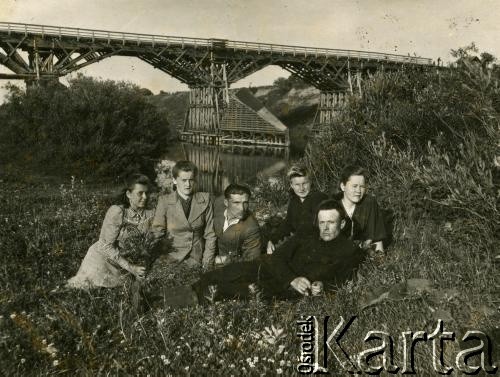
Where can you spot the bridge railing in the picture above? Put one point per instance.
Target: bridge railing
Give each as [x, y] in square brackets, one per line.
[58, 31]
[326, 52]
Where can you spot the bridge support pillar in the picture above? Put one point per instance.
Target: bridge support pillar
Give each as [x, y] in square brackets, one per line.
[206, 106]
[330, 104]
[41, 66]
[207, 102]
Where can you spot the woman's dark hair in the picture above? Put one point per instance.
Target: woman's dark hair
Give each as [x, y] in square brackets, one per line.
[184, 166]
[351, 170]
[129, 184]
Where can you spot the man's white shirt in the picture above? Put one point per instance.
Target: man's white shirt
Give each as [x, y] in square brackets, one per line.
[228, 223]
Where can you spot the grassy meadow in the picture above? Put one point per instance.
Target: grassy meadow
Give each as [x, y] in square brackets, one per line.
[429, 140]
[47, 229]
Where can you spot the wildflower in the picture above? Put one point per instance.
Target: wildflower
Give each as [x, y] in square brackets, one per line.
[13, 315]
[55, 363]
[279, 371]
[232, 366]
[186, 368]
[281, 348]
[51, 350]
[282, 363]
[212, 291]
[272, 334]
[23, 360]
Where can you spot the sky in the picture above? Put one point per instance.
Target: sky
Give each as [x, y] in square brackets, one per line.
[427, 28]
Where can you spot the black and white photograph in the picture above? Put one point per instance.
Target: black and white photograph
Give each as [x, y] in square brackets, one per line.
[249, 188]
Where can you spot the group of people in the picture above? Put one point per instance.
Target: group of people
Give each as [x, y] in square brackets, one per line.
[320, 243]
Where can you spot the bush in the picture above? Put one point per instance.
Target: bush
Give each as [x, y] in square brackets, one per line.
[91, 128]
[428, 138]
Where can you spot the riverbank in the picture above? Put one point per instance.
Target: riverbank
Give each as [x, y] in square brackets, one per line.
[47, 228]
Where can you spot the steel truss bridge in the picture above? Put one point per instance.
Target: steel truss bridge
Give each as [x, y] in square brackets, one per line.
[36, 53]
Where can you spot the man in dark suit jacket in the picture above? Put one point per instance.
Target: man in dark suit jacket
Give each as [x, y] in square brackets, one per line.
[302, 266]
[237, 230]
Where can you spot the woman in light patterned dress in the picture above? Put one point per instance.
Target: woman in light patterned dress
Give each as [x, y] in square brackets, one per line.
[105, 264]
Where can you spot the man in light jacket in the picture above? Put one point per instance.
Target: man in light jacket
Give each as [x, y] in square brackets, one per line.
[187, 216]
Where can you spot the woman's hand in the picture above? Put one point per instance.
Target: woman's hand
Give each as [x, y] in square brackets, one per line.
[317, 288]
[138, 271]
[366, 245]
[270, 247]
[372, 246]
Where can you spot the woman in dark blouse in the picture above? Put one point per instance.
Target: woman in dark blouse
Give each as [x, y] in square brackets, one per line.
[301, 208]
[365, 220]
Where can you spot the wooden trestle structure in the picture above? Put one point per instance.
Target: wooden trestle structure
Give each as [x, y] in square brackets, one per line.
[35, 53]
[245, 120]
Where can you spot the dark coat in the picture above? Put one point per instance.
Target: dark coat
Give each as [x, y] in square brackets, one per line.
[368, 221]
[300, 216]
[332, 263]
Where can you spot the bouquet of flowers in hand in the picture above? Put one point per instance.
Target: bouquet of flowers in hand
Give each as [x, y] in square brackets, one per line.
[138, 247]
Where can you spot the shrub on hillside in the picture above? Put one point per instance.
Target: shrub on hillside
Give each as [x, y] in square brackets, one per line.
[90, 128]
[293, 81]
[429, 140]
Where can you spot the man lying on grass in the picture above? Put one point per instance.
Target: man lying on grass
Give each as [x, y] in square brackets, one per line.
[302, 266]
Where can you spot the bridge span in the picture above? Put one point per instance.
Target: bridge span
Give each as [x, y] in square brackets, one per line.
[207, 65]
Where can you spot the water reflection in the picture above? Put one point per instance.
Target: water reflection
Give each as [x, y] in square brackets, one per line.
[221, 165]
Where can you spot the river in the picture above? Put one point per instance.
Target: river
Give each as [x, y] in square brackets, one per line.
[221, 165]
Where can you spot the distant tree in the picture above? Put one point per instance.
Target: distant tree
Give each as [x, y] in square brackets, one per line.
[282, 84]
[146, 92]
[292, 82]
